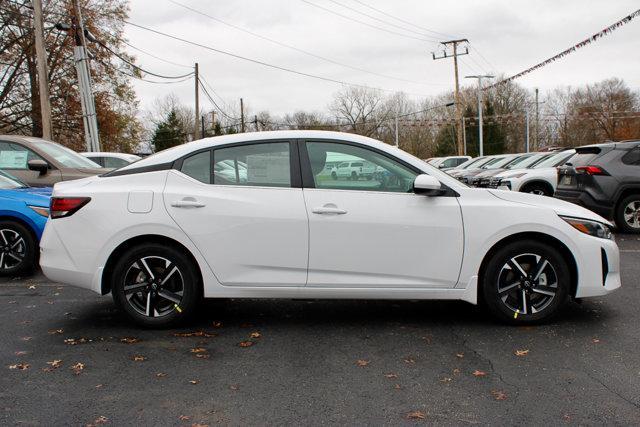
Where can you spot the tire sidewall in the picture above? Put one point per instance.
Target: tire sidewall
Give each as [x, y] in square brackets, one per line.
[620, 222]
[28, 264]
[499, 259]
[192, 287]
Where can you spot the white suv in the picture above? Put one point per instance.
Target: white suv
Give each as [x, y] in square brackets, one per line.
[353, 170]
[542, 179]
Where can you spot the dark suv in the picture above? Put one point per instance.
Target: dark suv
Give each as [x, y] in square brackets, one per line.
[606, 179]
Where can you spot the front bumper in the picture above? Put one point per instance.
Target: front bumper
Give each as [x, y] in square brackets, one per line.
[599, 273]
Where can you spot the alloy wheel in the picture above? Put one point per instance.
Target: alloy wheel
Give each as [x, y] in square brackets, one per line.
[154, 286]
[527, 283]
[632, 214]
[538, 192]
[13, 249]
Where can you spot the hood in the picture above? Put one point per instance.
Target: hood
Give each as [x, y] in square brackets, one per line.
[522, 172]
[94, 171]
[30, 195]
[489, 172]
[559, 206]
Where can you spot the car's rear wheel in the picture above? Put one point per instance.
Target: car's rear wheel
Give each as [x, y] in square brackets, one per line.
[628, 214]
[156, 286]
[18, 249]
[526, 282]
[334, 175]
[354, 176]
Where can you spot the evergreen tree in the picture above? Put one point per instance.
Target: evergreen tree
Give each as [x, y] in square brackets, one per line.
[168, 133]
[446, 141]
[494, 137]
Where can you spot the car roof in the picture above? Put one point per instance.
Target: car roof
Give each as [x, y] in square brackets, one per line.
[612, 144]
[174, 153]
[109, 154]
[22, 138]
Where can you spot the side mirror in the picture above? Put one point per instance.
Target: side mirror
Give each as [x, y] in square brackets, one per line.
[38, 166]
[441, 166]
[427, 185]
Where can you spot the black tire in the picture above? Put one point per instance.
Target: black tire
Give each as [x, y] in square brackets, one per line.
[153, 304]
[537, 188]
[17, 241]
[334, 176]
[354, 176]
[627, 215]
[544, 296]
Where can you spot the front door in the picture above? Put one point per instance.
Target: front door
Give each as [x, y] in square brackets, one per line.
[14, 160]
[241, 207]
[374, 231]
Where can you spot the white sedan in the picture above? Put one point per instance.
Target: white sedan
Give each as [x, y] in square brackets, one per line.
[166, 231]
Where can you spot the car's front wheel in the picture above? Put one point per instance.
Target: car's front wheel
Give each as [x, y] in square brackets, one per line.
[526, 282]
[18, 249]
[156, 285]
[628, 214]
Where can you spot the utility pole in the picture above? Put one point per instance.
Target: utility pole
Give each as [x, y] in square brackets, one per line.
[197, 125]
[526, 129]
[255, 122]
[455, 55]
[91, 136]
[480, 132]
[464, 136]
[397, 140]
[535, 137]
[204, 135]
[43, 77]
[242, 115]
[213, 123]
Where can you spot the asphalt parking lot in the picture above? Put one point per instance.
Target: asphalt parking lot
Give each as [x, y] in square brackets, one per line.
[69, 357]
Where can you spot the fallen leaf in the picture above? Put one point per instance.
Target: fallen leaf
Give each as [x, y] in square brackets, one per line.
[199, 425]
[78, 368]
[521, 353]
[55, 364]
[32, 287]
[198, 350]
[203, 356]
[460, 355]
[184, 417]
[479, 373]
[98, 385]
[595, 340]
[26, 338]
[55, 331]
[255, 335]
[20, 366]
[234, 387]
[362, 362]
[161, 375]
[73, 341]
[446, 380]
[427, 339]
[409, 360]
[397, 387]
[100, 420]
[129, 340]
[194, 334]
[245, 343]
[217, 324]
[20, 353]
[194, 381]
[456, 371]
[416, 415]
[499, 395]
[391, 375]
[138, 358]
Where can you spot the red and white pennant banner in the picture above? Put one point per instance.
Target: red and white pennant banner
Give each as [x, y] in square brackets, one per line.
[572, 49]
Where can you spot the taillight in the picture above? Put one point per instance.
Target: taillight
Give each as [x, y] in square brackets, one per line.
[66, 206]
[591, 170]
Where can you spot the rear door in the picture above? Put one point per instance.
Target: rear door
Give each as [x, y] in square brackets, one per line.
[249, 222]
[574, 175]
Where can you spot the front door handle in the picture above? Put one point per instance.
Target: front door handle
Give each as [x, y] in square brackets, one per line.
[329, 209]
[187, 203]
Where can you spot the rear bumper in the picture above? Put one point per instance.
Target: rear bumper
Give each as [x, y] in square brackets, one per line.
[604, 209]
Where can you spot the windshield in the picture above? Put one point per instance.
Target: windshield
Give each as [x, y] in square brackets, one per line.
[9, 182]
[64, 155]
[528, 161]
[555, 160]
[498, 162]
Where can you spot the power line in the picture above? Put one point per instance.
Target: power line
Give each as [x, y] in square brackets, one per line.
[382, 20]
[222, 101]
[365, 23]
[141, 78]
[305, 52]
[140, 68]
[208, 95]
[256, 61]
[156, 57]
[405, 21]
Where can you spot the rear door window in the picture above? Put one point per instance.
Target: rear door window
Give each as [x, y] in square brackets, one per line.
[632, 157]
[584, 157]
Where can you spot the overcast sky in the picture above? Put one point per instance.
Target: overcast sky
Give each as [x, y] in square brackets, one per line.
[509, 36]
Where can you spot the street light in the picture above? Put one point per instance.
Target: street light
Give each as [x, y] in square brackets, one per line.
[480, 77]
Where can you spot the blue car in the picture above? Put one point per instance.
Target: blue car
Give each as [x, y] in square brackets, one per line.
[23, 214]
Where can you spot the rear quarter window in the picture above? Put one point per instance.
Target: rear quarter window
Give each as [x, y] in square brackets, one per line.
[583, 158]
[632, 157]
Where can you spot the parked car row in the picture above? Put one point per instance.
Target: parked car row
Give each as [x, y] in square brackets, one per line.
[29, 167]
[604, 178]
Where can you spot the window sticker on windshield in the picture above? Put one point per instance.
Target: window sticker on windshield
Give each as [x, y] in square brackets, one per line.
[268, 168]
[13, 159]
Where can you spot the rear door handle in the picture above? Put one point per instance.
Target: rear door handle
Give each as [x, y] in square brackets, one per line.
[186, 203]
[328, 209]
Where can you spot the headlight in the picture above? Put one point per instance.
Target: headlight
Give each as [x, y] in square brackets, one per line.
[40, 211]
[592, 228]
